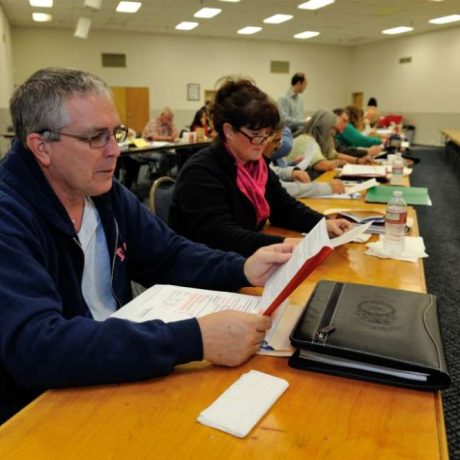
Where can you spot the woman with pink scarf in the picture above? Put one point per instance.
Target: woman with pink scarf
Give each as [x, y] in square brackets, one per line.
[226, 193]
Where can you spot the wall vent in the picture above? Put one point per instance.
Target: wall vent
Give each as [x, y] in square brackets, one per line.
[279, 67]
[113, 60]
[405, 60]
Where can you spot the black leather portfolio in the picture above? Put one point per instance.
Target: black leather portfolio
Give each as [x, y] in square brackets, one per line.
[371, 333]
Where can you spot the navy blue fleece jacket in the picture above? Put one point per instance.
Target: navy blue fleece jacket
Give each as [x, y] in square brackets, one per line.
[48, 338]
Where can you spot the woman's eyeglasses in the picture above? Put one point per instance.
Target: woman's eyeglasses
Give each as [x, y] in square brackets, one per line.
[98, 140]
[257, 140]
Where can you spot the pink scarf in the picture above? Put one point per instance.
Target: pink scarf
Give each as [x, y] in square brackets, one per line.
[251, 179]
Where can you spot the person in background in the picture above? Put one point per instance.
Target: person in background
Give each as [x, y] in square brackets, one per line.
[200, 121]
[296, 181]
[226, 193]
[291, 104]
[284, 149]
[372, 114]
[161, 128]
[343, 122]
[72, 239]
[317, 141]
[352, 135]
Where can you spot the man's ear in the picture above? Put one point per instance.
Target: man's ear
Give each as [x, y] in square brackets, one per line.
[39, 147]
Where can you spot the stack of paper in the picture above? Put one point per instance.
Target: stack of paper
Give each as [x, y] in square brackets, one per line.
[364, 171]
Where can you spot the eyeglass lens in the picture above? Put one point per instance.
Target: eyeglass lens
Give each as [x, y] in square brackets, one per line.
[256, 140]
[102, 139]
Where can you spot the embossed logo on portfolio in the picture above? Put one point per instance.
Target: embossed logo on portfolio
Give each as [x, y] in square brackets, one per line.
[377, 315]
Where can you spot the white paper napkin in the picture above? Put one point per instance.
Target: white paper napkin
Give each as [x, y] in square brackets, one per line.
[244, 403]
[414, 249]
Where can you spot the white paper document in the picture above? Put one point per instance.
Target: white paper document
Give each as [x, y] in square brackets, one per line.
[352, 235]
[339, 196]
[352, 192]
[161, 144]
[363, 170]
[310, 245]
[306, 160]
[174, 303]
[170, 303]
[362, 186]
[244, 403]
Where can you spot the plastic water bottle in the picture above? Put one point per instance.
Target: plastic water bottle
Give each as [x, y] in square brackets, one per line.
[397, 170]
[395, 224]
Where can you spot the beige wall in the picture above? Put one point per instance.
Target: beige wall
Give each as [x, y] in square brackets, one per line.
[6, 66]
[167, 63]
[426, 91]
[6, 77]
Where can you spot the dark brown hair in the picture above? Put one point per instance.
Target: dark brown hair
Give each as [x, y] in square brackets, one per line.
[355, 114]
[240, 103]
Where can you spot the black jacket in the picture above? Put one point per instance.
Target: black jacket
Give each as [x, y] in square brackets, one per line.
[209, 208]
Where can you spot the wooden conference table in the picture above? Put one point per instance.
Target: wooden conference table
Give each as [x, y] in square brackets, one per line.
[318, 417]
[451, 135]
[160, 146]
[175, 154]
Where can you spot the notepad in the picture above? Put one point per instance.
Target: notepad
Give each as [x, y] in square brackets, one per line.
[411, 195]
[140, 142]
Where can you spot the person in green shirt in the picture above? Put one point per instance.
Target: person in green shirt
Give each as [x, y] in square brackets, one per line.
[351, 135]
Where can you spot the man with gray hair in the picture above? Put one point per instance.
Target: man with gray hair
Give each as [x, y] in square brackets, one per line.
[161, 128]
[72, 239]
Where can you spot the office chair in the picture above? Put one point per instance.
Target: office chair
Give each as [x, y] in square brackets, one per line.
[160, 197]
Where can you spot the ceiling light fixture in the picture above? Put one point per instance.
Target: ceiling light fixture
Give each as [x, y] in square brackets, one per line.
[306, 34]
[249, 30]
[41, 3]
[83, 26]
[42, 17]
[315, 4]
[397, 30]
[445, 19]
[94, 4]
[231, 1]
[278, 18]
[128, 7]
[186, 25]
[207, 13]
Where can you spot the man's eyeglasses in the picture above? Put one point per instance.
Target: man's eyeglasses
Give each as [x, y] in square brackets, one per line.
[98, 140]
[257, 140]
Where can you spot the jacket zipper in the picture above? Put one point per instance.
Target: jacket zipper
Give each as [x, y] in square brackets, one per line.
[113, 262]
[326, 325]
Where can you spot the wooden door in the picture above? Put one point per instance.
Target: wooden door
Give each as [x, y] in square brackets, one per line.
[357, 100]
[133, 106]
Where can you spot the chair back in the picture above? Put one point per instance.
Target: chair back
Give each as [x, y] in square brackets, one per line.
[160, 197]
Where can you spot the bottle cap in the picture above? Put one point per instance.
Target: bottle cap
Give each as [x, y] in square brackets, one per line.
[397, 193]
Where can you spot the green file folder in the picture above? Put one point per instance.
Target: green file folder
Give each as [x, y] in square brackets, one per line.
[411, 195]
